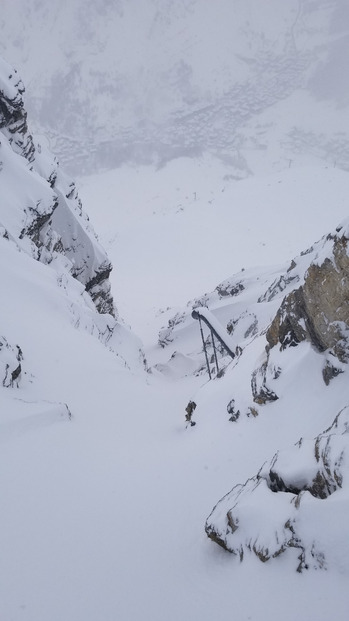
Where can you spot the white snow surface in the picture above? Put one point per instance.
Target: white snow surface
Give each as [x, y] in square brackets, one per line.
[104, 489]
[103, 514]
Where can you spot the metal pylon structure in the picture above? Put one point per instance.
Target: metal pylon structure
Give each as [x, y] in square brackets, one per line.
[201, 315]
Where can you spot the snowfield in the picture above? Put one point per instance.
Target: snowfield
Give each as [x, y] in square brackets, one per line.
[103, 513]
[213, 185]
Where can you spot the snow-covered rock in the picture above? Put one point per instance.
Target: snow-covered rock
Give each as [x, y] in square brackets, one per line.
[40, 208]
[45, 237]
[10, 363]
[299, 499]
[318, 310]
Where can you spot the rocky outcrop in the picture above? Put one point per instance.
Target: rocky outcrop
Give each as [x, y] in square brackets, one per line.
[269, 513]
[10, 363]
[13, 117]
[318, 311]
[46, 218]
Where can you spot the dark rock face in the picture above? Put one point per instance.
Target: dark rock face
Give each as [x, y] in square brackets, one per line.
[331, 369]
[319, 310]
[13, 117]
[99, 289]
[233, 411]
[287, 328]
[51, 215]
[10, 364]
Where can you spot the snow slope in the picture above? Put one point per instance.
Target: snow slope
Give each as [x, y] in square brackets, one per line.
[115, 499]
[105, 490]
[103, 514]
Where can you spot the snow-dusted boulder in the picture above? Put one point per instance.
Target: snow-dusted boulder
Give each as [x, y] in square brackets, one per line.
[10, 363]
[299, 499]
[13, 117]
[39, 206]
[318, 310]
